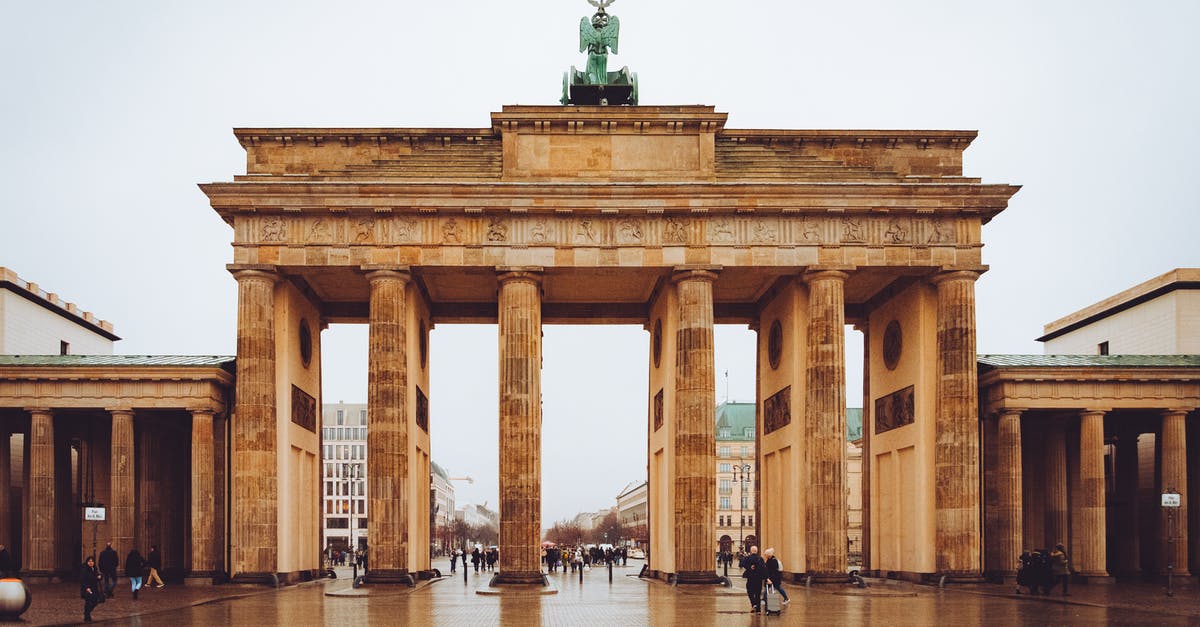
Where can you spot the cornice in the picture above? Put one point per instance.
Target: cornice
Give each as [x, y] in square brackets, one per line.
[102, 374]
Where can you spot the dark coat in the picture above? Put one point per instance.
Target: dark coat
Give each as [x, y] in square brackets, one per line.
[6, 562]
[134, 565]
[108, 562]
[773, 572]
[754, 566]
[154, 559]
[89, 581]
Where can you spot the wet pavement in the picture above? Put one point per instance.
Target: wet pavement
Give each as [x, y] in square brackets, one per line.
[626, 601]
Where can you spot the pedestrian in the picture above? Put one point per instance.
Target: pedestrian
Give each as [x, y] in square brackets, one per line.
[475, 557]
[108, 568]
[89, 588]
[1060, 568]
[774, 571]
[134, 567]
[753, 569]
[453, 560]
[6, 562]
[492, 556]
[154, 562]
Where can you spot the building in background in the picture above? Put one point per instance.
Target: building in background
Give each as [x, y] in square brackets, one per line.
[633, 507]
[441, 491]
[736, 469]
[36, 322]
[344, 473]
[1160, 316]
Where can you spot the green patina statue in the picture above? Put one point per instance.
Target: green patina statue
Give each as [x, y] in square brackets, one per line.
[598, 35]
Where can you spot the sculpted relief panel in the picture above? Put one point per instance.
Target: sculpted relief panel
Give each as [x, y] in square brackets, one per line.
[575, 230]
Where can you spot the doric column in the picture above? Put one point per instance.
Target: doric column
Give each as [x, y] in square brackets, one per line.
[1008, 484]
[1126, 507]
[695, 428]
[520, 322]
[956, 452]
[867, 426]
[1090, 548]
[122, 506]
[825, 424]
[255, 502]
[1055, 482]
[1174, 477]
[42, 524]
[6, 538]
[203, 503]
[387, 437]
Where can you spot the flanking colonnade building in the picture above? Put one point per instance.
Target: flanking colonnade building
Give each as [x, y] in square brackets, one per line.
[658, 216]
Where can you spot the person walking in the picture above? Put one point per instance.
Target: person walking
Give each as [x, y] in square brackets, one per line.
[89, 588]
[774, 573]
[134, 567]
[108, 568]
[154, 561]
[1060, 568]
[453, 560]
[753, 569]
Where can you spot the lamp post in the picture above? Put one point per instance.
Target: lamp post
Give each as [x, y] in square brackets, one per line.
[741, 474]
[350, 476]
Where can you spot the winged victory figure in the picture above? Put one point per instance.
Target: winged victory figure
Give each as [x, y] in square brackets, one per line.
[598, 35]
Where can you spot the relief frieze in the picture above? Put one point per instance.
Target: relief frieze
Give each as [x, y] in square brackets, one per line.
[675, 231]
[452, 232]
[630, 231]
[721, 231]
[585, 232]
[539, 231]
[777, 410]
[894, 410]
[898, 231]
[497, 230]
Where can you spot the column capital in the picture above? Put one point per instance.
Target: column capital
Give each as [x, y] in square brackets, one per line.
[1092, 411]
[375, 272]
[262, 272]
[825, 273]
[39, 410]
[119, 410]
[201, 410]
[523, 274]
[694, 273]
[1175, 410]
[957, 274]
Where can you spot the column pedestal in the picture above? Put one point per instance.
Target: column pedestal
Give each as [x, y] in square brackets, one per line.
[695, 432]
[825, 426]
[1090, 548]
[520, 322]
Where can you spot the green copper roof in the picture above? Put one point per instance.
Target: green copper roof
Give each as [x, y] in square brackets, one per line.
[737, 421]
[209, 361]
[1089, 361]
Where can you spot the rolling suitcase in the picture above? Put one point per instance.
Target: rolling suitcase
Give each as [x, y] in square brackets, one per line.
[771, 604]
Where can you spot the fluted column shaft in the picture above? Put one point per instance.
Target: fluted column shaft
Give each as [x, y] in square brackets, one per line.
[695, 428]
[1126, 507]
[255, 503]
[122, 506]
[203, 499]
[1009, 486]
[1091, 546]
[1055, 482]
[1174, 477]
[42, 524]
[825, 424]
[6, 538]
[520, 352]
[387, 438]
[956, 451]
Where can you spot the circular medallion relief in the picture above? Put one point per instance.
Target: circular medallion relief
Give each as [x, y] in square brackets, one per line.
[893, 343]
[775, 344]
[423, 343]
[657, 340]
[305, 343]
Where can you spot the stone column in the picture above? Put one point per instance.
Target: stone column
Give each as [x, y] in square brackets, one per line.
[825, 425]
[203, 504]
[121, 509]
[1128, 557]
[39, 560]
[387, 436]
[1055, 483]
[6, 538]
[695, 428]
[1174, 477]
[1008, 483]
[867, 426]
[520, 351]
[255, 499]
[1090, 548]
[956, 452]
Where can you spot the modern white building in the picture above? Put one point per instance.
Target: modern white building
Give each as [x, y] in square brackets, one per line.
[633, 508]
[344, 472]
[1158, 317]
[36, 322]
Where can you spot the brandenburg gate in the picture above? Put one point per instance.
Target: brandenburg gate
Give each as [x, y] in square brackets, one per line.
[651, 215]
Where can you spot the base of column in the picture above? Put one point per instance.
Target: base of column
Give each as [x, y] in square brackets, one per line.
[201, 578]
[262, 579]
[824, 577]
[41, 576]
[697, 577]
[518, 579]
[1099, 577]
[968, 576]
[389, 576]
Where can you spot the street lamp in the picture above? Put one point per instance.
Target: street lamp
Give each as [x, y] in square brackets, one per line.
[741, 474]
[350, 476]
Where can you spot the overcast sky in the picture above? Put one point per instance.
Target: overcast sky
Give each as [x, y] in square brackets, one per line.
[114, 111]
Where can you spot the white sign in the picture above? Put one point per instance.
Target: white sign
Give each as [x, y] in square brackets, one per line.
[93, 513]
[1170, 500]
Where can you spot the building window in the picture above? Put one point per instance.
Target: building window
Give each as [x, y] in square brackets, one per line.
[64, 347]
[749, 432]
[341, 416]
[723, 468]
[1103, 348]
[724, 432]
[724, 451]
[751, 524]
[745, 502]
[745, 451]
[362, 416]
[724, 502]
[725, 486]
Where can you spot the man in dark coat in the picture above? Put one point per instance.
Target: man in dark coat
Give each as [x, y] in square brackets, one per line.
[134, 569]
[755, 570]
[108, 569]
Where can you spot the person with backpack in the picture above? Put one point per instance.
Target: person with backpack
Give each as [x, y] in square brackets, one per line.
[774, 573]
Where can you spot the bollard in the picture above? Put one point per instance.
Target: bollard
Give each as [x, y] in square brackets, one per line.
[610, 572]
[581, 573]
[464, 574]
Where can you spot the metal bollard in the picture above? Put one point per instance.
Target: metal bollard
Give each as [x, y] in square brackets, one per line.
[464, 574]
[581, 573]
[610, 572]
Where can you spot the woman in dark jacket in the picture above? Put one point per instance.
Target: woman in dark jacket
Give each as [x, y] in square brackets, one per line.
[775, 573]
[89, 588]
[135, 567]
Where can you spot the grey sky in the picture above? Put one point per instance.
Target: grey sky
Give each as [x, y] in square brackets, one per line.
[114, 111]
